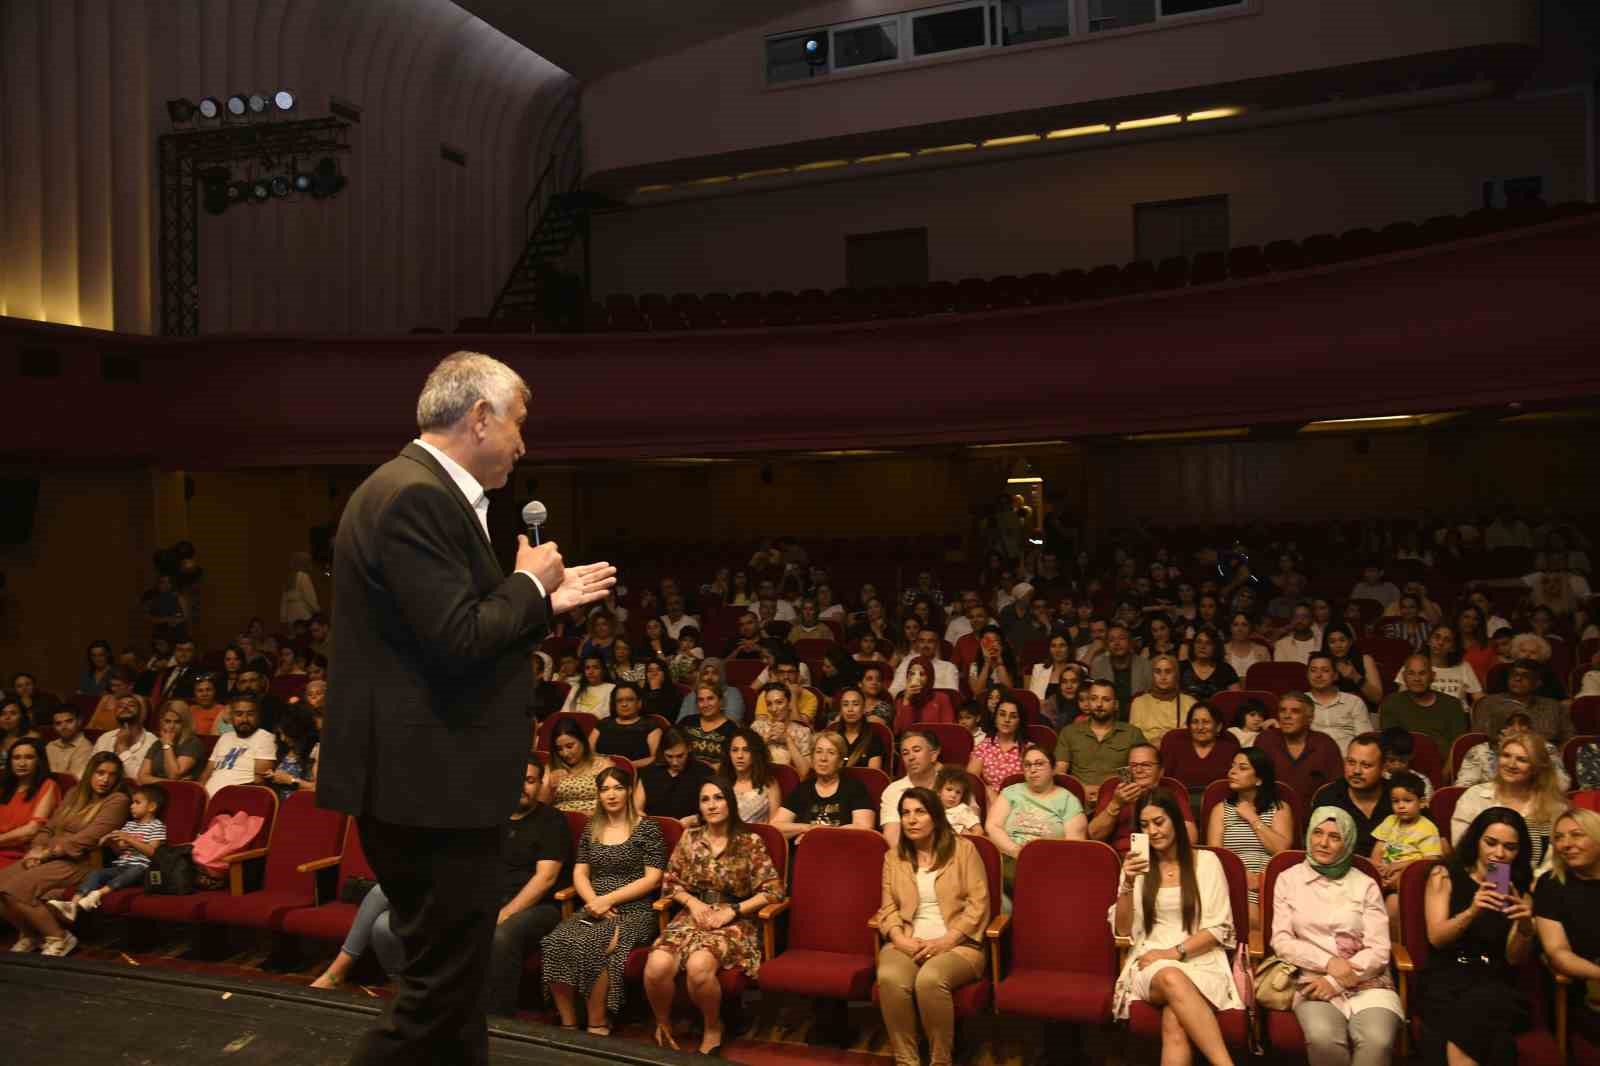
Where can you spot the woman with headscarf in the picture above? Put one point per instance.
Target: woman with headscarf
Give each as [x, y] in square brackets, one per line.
[921, 703]
[1329, 920]
[1472, 1005]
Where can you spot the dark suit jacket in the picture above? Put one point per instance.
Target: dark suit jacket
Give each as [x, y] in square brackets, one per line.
[427, 720]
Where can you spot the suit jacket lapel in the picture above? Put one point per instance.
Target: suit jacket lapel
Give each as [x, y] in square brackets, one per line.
[421, 455]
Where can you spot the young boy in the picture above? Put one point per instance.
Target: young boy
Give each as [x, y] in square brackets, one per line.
[134, 843]
[970, 717]
[1402, 838]
[685, 665]
[954, 788]
[1398, 750]
[1252, 719]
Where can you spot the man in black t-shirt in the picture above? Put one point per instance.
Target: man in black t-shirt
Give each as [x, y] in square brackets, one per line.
[535, 863]
[670, 788]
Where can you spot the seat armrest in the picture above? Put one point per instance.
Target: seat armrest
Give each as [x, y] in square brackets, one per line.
[235, 864]
[1258, 949]
[245, 856]
[772, 910]
[1402, 958]
[997, 926]
[318, 864]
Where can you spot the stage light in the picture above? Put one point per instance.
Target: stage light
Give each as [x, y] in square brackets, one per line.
[257, 103]
[283, 100]
[303, 181]
[817, 50]
[210, 107]
[237, 105]
[181, 110]
[259, 191]
[280, 186]
[238, 192]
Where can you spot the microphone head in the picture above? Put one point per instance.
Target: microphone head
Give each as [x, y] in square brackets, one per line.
[534, 513]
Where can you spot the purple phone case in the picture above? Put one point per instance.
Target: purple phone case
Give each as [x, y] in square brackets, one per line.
[1500, 878]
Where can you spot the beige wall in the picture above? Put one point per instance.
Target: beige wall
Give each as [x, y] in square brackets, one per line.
[712, 98]
[1076, 209]
[413, 240]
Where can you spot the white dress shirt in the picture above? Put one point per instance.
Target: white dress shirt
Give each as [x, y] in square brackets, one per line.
[476, 496]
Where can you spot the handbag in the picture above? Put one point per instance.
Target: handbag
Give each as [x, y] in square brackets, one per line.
[355, 889]
[1275, 984]
[171, 871]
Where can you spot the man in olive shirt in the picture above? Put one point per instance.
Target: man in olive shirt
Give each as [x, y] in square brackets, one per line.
[1096, 749]
[1417, 708]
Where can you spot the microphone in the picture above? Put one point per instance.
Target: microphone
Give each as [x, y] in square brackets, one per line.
[534, 514]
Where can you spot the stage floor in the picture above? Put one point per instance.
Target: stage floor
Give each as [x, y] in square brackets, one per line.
[65, 1010]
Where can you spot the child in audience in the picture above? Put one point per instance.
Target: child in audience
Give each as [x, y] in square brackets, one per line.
[1402, 838]
[685, 665]
[955, 791]
[1398, 750]
[1252, 719]
[134, 843]
[567, 669]
[970, 717]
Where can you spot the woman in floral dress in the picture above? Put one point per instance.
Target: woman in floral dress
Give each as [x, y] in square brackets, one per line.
[721, 875]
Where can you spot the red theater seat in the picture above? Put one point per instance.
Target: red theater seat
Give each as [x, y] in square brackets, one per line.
[305, 834]
[837, 887]
[252, 799]
[186, 805]
[1063, 963]
[331, 919]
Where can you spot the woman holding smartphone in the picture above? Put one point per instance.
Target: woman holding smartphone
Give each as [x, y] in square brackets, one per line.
[1480, 924]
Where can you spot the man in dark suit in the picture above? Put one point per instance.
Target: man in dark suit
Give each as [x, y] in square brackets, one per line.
[427, 730]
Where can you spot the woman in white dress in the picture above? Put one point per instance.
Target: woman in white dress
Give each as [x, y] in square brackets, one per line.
[1175, 907]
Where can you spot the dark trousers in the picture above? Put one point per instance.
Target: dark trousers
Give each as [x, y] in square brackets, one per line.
[514, 940]
[443, 889]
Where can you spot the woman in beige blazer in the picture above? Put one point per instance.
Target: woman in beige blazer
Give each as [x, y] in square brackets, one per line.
[935, 908]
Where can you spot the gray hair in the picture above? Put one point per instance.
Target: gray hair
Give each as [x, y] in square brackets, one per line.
[1302, 699]
[459, 382]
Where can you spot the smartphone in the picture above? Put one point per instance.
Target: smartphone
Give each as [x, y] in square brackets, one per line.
[1499, 877]
[1139, 844]
[585, 918]
[1125, 774]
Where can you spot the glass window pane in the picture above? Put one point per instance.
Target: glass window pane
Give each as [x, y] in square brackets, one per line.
[1022, 21]
[788, 60]
[1185, 7]
[860, 45]
[1115, 14]
[947, 31]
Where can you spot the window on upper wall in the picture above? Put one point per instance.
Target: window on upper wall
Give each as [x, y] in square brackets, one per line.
[950, 29]
[1024, 21]
[1167, 228]
[873, 42]
[1115, 14]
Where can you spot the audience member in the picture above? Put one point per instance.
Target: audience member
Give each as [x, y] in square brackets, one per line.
[1422, 707]
[1550, 719]
[926, 647]
[134, 845]
[1328, 920]
[1163, 707]
[1470, 997]
[828, 797]
[747, 763]
[1354, 671]
[935, 908]
[919, 757]
[1095, 747]
[1241, 652]
[1252, 720]
[69, 752]
[1525, 781]
[592, 693]
[624, 731]
[1303, 758]
[1174, 906]
[1373, 586]
[707, 728]
[130, 741]
[670, 786]
[1202, 751]
[1399, 751]
[28, 797]
[864, 747]
[921, 702]
[618, 868]
[1000, 756]
[205, 709]
[674, 620]
[1338, 714]
[298, 752]
[838, 670]
[61, 855]
[687, 656]
[809, 626]
[1566, 907]
[1360, 793]
[785, 671]
[96, 677]
[1115, 819]
[1127, 672]
[1482, 761]
[1035, 808]
[661, 696]
[177, 754]
[244, 756]
[1253, 821]
[721, 875]
[731, 702]
[570, 783]
[954, 787]
[1203, 674]
[1301, 640]
[1451, 674]
[1408, 835]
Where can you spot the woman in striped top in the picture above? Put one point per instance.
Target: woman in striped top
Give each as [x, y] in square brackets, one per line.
[1253, 822]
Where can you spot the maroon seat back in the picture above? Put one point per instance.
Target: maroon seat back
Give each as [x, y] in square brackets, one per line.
[812, 648]
[186, 803]
[1028, 703]
[777, 846]
[1443, 806]
[1390, 653]
[1047, 936]
[741, 673]
[577, 821]
[1042, 736]
[1586, 714]
[1426, 759]
[307, 832]
[1413, 916]
[353, 863]
[955, 743]
[671, 832]
[1228, 702]
[1276, 678]
[990, 855]
[788, 779]
[1463, 744]
[875, 782]
[836, 887]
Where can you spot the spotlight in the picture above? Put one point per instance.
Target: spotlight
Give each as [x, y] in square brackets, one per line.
[237, 105]
[238, 192]
[283, 100]
[259, 191]
[280, 186]
[210, 108]
[180, 110]
[257, 102]
[817, 50]
[303, 181]
[328, 181]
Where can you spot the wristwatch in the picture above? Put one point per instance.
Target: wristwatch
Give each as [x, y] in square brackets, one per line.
[1183, 952]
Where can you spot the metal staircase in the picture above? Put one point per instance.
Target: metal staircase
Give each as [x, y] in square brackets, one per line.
[538, 287]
